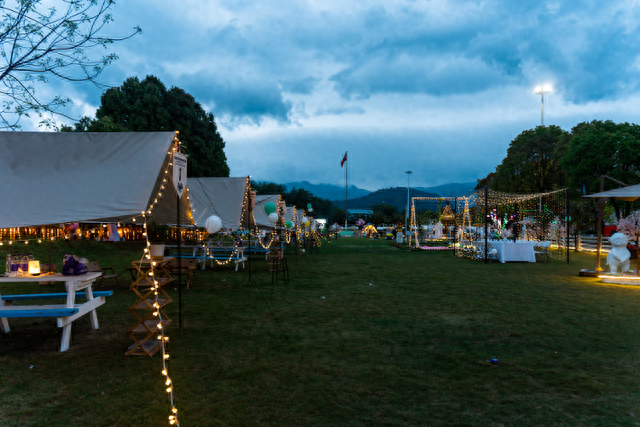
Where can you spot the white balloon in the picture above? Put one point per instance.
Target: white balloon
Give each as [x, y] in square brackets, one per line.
[273, 218]
[213, 224]
[304, 219]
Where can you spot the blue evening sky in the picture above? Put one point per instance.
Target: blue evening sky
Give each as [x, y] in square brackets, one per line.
[437, 87]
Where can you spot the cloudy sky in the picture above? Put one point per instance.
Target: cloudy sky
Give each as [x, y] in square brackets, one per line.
[436, 87]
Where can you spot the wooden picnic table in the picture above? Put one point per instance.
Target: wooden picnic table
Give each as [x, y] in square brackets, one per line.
[213, 252]
[64, 313]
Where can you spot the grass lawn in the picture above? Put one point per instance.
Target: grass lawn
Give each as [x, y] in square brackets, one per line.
[364, 334]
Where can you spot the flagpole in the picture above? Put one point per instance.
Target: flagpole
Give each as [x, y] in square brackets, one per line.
[346, 191]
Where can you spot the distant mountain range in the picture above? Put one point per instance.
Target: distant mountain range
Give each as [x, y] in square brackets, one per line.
[327, 191]
[450, 190]
[335, 192]
[392, 196]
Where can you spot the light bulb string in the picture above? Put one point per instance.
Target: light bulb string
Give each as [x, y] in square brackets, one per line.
[173, 418]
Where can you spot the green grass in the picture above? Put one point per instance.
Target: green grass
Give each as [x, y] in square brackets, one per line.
[400, 338]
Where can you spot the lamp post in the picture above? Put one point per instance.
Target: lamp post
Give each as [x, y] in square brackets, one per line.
[406, 220]
[542, 90]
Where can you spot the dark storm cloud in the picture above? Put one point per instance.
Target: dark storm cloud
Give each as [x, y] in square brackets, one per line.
[240, 100]
[314, 78]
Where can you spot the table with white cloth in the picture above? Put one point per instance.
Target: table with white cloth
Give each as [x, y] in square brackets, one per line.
[515, 251]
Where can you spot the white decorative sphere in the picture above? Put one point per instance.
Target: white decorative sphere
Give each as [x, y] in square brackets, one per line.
[273, 218]
[304, 219]
[213, 224]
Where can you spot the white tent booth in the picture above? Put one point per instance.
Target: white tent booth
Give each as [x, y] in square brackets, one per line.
[628, 194]
[290, 214]
[223, 197]
[260, 218]
[52, 178]
[60, 177]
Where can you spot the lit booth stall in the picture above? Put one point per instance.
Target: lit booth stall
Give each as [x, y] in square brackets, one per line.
[221, 207]
[53, 178]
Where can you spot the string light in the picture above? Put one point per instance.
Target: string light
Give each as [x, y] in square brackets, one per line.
[157, 313]
[543, 213]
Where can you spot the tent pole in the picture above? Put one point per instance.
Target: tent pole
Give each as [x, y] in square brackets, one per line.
[601, 202]
[567, 223]
[486, 214]
[179, 269]
[455, 225]
[249, 211]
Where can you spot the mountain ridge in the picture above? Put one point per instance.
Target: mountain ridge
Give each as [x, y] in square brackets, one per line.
[327, 191]
[335, 192]
[392, 196]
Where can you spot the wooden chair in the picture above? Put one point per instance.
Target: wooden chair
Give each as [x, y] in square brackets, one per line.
[278, 264]
[93, 266]
[186, 267]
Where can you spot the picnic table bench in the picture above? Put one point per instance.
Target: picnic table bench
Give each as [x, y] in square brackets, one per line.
[8, 310]
[65, 313]
[202, 259]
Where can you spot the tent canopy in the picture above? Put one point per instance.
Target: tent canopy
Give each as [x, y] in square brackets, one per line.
[628, 194]
[224, 197]
[259, 215]
[290, 214]
[58, 177]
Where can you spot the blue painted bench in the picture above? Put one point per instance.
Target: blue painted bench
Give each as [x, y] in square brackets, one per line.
[37, 311]
[202, 259]
[257, 250]
[27, 297]
[7, 310]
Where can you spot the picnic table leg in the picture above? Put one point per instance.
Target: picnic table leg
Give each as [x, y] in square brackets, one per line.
[4, 323]
[66, 329]
[92, 314]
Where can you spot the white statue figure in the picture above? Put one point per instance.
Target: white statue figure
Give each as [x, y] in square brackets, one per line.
[619, 255]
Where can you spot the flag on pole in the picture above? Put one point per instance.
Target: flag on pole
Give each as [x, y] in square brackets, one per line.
[344, 159]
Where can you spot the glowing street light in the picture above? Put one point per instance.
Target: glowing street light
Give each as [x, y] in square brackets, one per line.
[541, 90]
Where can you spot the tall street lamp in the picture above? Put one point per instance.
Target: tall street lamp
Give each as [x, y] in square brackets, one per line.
[542, 90]
[406, 220]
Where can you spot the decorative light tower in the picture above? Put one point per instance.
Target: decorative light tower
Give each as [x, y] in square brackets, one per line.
[542, 90]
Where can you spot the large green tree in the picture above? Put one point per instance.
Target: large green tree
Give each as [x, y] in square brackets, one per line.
[532, 163]
[147, 105]
[385, 213]
[39, 42]
[264, 187]
[601, 148]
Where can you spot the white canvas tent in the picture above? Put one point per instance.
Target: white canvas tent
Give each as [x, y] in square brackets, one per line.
[290, 214]
[259, 215]
[628, 194]
[53, 178]
[224, 197]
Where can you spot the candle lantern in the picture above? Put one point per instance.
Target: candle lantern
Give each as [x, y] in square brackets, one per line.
[34, 268]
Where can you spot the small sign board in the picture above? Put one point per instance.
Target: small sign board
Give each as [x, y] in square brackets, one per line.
[179, 172]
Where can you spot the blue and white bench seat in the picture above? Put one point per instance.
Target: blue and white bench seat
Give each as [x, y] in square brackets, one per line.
[66, 313]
